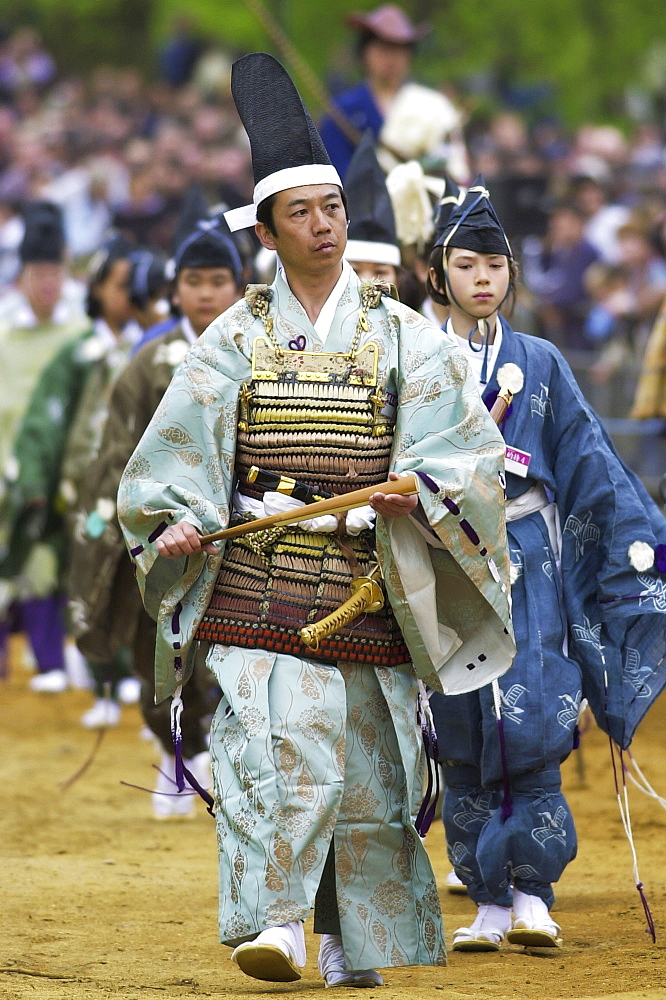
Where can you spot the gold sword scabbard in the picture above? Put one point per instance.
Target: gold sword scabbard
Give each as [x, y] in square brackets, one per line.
[366, 597]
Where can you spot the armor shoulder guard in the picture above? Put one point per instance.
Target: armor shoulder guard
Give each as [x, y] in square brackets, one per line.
[372, 291]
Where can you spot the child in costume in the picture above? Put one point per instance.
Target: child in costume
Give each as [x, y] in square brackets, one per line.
[589, 609]
[105, 604]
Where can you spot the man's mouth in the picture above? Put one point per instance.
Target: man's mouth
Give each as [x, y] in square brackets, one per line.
[325, 246]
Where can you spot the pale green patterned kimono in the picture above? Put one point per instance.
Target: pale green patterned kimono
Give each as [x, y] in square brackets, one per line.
[302, 750]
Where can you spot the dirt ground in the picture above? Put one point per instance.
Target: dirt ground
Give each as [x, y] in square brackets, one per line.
[101, 901]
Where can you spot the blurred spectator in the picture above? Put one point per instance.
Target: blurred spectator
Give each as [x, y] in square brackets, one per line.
[408, 120]
[646, 274]
[83, 194]
[607, 288]
[42, 313]
[24, 63]
[554, 271]
[602, 219]
[179, 54]
[637, 305]
[142, 211]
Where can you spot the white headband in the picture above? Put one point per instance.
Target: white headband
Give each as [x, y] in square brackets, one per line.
[375, 253]
[281, 180]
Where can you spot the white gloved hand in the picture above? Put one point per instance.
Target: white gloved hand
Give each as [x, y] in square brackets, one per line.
[275, 503]
[360, 519]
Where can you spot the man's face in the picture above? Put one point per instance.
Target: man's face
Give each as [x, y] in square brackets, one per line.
[309, 229]
[387, 64]
[41, 283]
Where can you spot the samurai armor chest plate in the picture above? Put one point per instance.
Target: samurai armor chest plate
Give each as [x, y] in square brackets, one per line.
[324, 419]
[318, 417]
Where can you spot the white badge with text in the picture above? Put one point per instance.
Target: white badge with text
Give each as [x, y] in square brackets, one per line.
[517, 461]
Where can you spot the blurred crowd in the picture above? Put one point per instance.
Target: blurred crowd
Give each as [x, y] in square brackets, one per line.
[103, 178]
[586, 210]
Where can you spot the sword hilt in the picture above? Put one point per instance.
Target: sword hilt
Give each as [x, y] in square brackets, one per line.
[296, 488]
[366, 597]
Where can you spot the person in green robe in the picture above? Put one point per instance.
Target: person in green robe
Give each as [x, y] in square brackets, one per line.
[37, 318]
[56, 439]
[316, 749]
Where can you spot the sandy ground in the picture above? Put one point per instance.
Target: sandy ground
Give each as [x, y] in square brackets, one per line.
[101, 901]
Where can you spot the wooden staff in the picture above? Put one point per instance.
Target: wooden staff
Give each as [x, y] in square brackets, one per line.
[404, 486]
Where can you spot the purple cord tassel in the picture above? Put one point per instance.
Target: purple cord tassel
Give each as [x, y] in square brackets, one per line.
[650, 929]
[426, 812]
[201, 791]
[177, 736]
[430, 814]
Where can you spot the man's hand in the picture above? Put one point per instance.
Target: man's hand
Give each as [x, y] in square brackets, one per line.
[182, 540]
[393, 504]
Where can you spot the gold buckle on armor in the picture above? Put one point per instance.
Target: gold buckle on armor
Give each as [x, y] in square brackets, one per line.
[311, 366]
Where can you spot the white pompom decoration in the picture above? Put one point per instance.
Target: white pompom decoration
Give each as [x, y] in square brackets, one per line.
[510, 377]
[641, 556]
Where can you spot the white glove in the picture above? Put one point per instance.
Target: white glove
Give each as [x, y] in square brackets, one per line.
[275, 503]
[360, 519]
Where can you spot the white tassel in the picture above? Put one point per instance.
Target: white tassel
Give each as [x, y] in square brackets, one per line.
[641, 556]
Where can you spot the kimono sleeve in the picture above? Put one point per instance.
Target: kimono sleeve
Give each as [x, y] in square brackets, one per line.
[615, 609]
[450, 596]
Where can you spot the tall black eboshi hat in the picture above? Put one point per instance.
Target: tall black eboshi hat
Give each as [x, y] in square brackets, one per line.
[446, 206]
[44, 237]
[371, 234]
[287, 150]
[474, 224]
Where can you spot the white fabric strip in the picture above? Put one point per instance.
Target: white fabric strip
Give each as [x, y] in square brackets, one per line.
[281, 180]
[529, 502]
[327, 314]
[376, 253]
[188, 330]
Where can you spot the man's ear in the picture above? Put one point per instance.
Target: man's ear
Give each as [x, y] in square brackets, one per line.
[265, 236]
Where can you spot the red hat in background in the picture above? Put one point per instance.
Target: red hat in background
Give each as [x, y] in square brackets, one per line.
[390, 24]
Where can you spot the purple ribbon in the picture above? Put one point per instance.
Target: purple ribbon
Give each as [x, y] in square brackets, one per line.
[426, 812]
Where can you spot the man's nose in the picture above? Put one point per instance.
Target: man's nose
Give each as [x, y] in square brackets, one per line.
[320, 222]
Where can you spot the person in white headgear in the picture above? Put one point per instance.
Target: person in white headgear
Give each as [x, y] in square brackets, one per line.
[324, 383]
